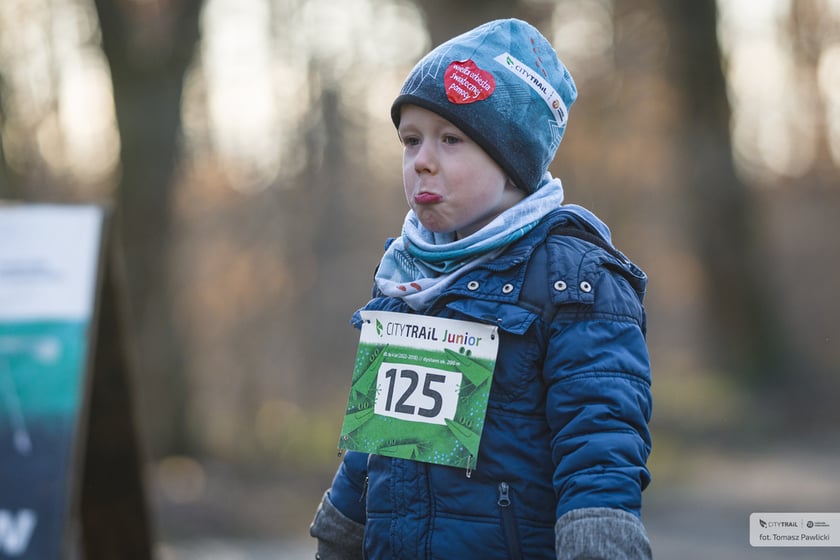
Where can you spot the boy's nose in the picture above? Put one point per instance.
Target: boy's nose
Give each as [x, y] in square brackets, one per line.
[426, 159]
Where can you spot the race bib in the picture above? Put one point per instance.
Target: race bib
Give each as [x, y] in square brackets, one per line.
[420, 388]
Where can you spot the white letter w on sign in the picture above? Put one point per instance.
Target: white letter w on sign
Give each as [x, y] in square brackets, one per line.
[15, 531]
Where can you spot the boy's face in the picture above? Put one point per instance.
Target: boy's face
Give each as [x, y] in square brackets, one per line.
[450, 182]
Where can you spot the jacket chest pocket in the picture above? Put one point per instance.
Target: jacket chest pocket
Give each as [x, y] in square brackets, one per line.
[519, 360]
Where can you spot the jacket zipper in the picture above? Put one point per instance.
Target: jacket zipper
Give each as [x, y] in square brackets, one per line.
[363, 498]
[509, 527]
[363, 495]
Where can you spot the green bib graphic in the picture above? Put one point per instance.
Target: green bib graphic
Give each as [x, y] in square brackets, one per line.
[420, 388]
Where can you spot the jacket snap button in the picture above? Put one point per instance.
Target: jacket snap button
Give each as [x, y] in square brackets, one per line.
[472, 285]
[586, 286]
[559, 285]
[507, 288]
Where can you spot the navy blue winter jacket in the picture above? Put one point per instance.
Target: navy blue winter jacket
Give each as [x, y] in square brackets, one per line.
[566, 424]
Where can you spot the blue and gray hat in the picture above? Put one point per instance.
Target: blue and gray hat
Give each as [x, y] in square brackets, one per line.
[503, 85]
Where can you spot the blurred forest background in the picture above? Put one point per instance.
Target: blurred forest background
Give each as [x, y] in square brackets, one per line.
[247, 150]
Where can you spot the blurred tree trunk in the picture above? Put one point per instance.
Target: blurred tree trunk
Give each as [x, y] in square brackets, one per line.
[811, 29]
[149, 46]
[720, 211]
[6, 185]
[447, 18]
[5, 176]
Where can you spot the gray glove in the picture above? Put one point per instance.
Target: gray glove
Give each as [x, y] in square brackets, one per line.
[601, 534]
[339, 537]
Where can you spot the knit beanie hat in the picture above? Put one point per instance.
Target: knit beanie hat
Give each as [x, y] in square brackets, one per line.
[502, 85]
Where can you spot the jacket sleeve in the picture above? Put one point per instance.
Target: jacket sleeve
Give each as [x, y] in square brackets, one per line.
[339, 522]
[597, 373]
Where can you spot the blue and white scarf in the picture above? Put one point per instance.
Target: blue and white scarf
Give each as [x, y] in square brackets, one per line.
[418, 266]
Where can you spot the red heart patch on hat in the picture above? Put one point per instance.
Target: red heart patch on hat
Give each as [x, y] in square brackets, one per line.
[467, 83]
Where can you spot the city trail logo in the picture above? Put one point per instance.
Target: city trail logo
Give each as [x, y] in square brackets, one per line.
[795, 529]
[538, 83]
[772, 524]
[420, 388]
[417, 329]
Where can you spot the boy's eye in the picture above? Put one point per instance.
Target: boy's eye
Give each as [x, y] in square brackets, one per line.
[451, 139]
[410, 140]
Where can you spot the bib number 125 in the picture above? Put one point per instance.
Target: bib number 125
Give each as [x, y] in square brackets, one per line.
[417, 394]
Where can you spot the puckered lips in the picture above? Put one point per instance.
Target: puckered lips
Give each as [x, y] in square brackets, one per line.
[427, 198]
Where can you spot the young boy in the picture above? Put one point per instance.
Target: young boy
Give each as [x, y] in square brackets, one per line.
[555, 456]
